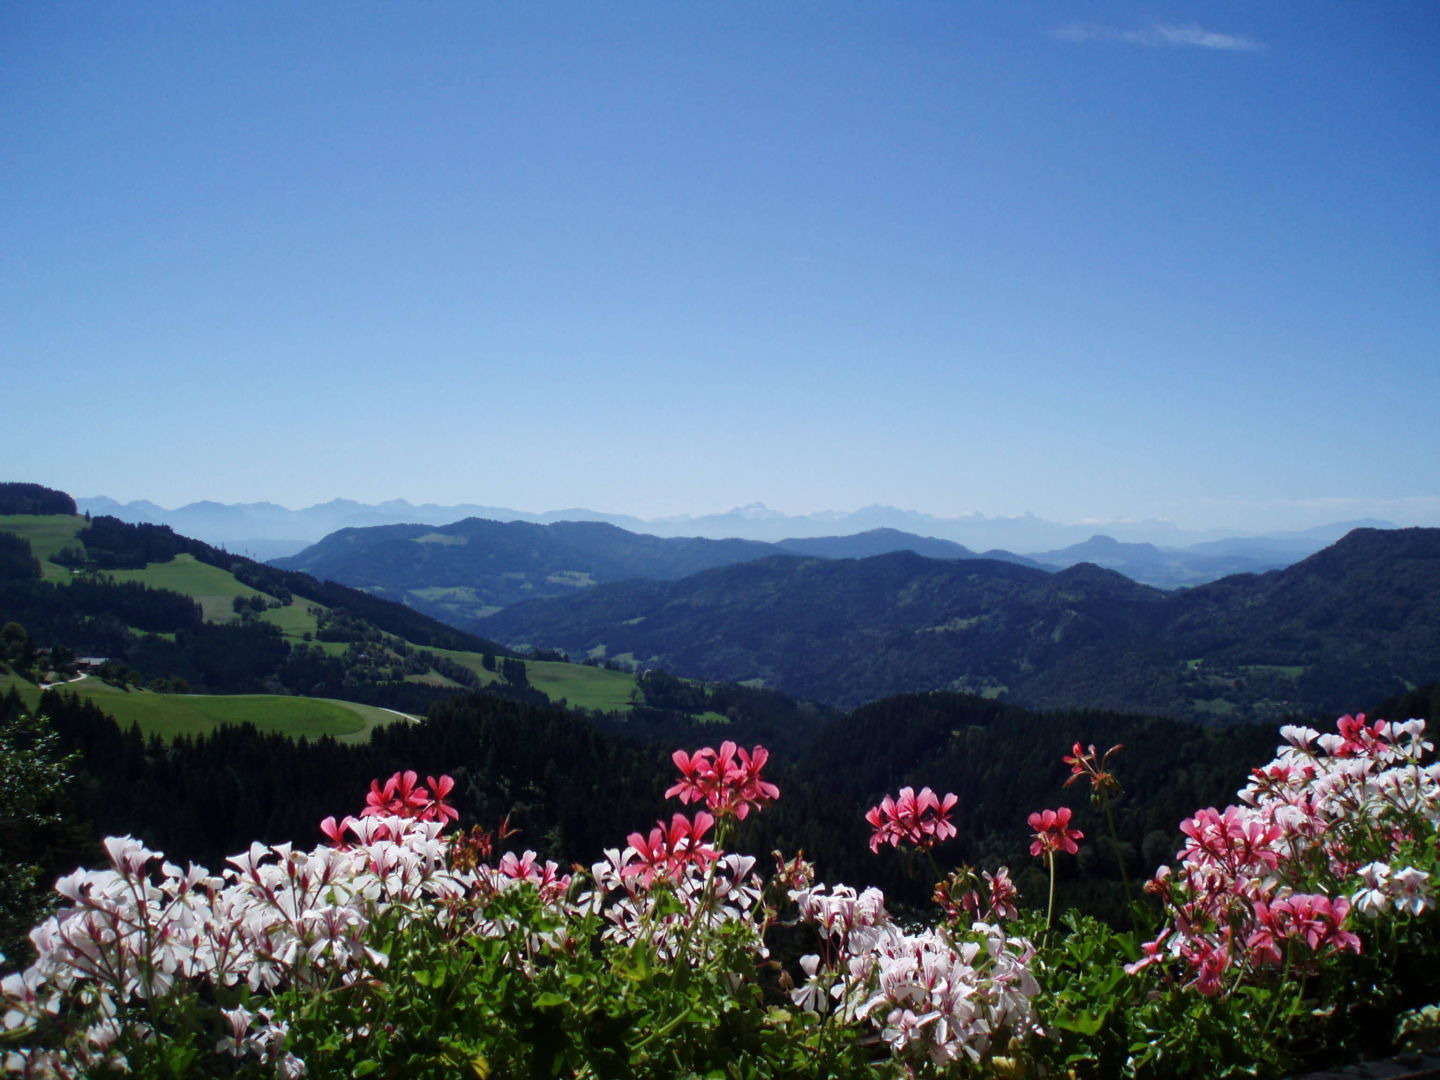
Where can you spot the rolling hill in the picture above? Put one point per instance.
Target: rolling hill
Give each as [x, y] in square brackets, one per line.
[198, 637]
[174, 612]
[1355, 622]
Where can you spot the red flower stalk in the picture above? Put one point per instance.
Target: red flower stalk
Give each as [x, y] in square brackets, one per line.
[922, 820]
[1360, 739]
[1089, 764]
[669, 849]
[1053, 832]
[403, 796]
[727, 781]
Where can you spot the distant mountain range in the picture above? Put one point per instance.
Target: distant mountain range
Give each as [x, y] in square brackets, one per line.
[1353, 623]
[266, 530]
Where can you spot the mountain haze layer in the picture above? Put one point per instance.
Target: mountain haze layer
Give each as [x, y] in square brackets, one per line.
[266, 530]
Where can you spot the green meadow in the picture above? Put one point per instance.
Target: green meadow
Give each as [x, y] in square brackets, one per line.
[212, 588]
[171, 715]
[295, 621]
[47, 534]
[581, 686]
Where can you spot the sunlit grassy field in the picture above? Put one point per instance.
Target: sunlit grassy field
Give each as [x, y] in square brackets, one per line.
[584, 687]
[581, 686]
[169, 715]
[212, 588]
[47, 534]
[295, 621]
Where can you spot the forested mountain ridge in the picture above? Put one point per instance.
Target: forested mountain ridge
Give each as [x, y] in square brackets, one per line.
[469, 569]
[35, 499]
[846, 631]
[1356, 621]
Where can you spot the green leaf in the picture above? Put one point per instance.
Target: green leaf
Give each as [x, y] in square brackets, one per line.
[1082, 1023]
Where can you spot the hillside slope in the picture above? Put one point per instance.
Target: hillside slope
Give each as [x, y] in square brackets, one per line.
[1356, 621]
[847, 631]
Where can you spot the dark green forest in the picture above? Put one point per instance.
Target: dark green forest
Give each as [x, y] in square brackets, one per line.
[34, 499]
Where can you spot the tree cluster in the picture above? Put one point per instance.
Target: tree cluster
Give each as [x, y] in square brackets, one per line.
[34, 499]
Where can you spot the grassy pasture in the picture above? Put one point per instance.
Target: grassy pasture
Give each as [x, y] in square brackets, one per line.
[209, 586]
[585, 687]
[581, 686]
[1287, 671]
[170, 715]
[434, 678]
[295, 620]
[47, 534]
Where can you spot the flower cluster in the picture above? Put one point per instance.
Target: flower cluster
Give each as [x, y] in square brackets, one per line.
[276, 916]
[939, 995]
[922, 820]
[667, 851]
[1334, 811]
[1386, 889]
[403, 796]
[676, 914]
[727, 781]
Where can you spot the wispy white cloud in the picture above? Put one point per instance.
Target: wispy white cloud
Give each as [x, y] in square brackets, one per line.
[1160, 34]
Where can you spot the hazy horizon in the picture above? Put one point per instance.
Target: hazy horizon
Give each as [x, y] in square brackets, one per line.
[1136, 263]
[1317, 514]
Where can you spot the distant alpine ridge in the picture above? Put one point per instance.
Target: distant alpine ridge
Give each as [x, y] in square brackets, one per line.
[1357, 621]
[267, 531]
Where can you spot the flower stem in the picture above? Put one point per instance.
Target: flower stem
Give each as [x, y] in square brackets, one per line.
[1119, 859]
[1050, 904]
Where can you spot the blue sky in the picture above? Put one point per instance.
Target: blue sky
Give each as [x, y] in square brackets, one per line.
[1089, 261]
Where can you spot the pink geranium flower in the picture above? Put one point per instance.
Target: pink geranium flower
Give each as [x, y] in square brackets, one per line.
[727, 781]
[398, 797]
[404, 796]
[922, 820]
[668, 849]
[437, 809]
[1053, 832]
